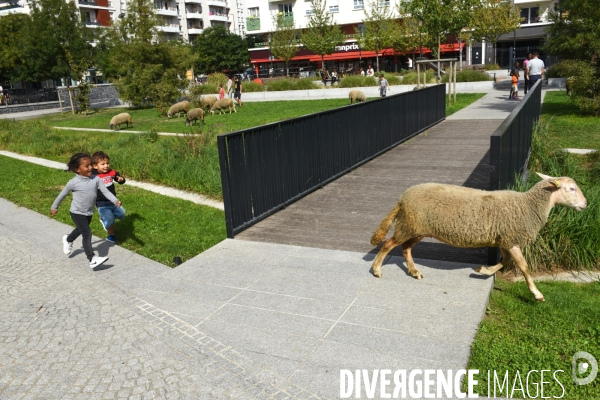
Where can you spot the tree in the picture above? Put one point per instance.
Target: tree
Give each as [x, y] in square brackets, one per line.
[142, 66]
[283, 43]
[219, 50]
[492, 18]
[461, 18]
[13, 31]
[405, 35]
[378, 29]
[322, 34]
[575, 37]
[435, 18]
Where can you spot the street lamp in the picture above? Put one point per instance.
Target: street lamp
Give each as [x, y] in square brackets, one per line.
[270, 55]
[420, 40]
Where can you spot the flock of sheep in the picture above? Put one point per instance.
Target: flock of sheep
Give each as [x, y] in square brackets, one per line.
[455, 215]
[210, 103]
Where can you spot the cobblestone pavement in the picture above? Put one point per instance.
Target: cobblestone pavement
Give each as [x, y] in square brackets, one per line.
[65, 333]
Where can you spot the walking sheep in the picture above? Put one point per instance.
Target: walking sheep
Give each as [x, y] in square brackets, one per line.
[207, 102]
[194, 115]
[222, 105]
[182, 106]
[357, 96]
[117, 120]
[464, 217]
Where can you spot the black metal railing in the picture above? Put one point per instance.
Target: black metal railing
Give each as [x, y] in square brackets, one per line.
[24, 96]
[511, 142]
[266, 168]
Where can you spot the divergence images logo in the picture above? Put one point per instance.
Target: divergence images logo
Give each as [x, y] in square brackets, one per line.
[580, 368]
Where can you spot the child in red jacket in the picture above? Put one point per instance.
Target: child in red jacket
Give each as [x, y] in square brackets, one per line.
[108, 212]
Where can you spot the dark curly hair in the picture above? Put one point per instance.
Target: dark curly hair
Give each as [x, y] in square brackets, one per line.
[75, 161]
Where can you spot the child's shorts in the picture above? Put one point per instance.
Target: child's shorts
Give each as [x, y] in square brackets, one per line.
[514, 87]
[109, 213]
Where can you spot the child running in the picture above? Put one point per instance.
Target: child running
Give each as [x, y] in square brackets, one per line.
[221, 91]
[514, 90]
[85, 188]
[107, 210]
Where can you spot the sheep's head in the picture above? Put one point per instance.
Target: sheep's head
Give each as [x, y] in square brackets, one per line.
[565, 192]
[111, 126]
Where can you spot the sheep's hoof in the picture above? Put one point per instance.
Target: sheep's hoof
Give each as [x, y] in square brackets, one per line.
[418, 276]
[377, 274]
[541, 298]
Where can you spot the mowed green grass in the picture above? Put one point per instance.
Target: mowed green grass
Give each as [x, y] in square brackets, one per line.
[521, 334]
[157, 227]
[569, 126]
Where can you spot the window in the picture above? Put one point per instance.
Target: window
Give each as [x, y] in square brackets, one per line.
[333, 6]
[530, 15]
[310, 12]
[358, 4]
[285, 8]
[384, 3]
[253, 12]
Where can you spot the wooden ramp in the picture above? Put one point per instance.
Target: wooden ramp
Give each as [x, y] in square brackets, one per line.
[344, 214]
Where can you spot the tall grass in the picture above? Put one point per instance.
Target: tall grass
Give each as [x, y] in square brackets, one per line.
[248, 87]
[468, 75]
[392, 79]
[357, 81]
[188, 162]
[410, 78]
[570, 238]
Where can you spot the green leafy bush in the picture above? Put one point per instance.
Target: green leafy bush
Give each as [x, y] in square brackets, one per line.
[197, 91]
[305, 83]
[492, 67]
[410, 78]
[248, 87]
[216, 78]
[392, 79]
[567, 68]
[357, 81]
[468, 75]
[280, 84]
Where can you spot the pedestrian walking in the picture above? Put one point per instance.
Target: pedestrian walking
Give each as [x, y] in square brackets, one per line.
[410, 63]
[221, 91]
[514, 89]
[229, 87]
[85, 189]
[535, 70]
[525, 63]
[107, 210]
[384, 86]
[238, 91]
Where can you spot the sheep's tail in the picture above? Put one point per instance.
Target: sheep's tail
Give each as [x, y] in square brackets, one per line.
[384, 227]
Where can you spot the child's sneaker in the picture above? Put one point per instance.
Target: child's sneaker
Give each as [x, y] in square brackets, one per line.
[112, 239]
[67, 246]
[96, 260]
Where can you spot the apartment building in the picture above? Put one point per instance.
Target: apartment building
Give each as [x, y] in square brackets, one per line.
[179, 18]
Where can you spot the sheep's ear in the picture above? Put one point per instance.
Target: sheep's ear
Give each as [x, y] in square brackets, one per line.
[544, 177]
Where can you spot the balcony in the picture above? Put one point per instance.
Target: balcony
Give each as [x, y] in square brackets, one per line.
[91, 22]
[287, 19]
[10, 6]
[91, 4]
[193, 15]
[252, 24]
[168, 11]
[193, 1]
[169, 28]
[195, 30]
[217, 16]
[217, 3]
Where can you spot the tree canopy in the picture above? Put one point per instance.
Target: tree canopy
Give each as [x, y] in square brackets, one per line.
[322, 34]
[219, 50]
[379, 28]
[283, 44]
[492, 18]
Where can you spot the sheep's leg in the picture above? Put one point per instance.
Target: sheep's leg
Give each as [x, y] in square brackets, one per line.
[516, 254]
[495, 268]
[385, 249]
[407, 253]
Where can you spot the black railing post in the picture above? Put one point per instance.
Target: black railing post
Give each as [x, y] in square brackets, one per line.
[223, 163]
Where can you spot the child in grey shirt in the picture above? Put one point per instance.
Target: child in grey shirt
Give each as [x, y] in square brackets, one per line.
[85, 189]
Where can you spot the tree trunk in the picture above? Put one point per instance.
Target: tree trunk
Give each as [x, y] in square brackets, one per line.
[377, 57]
[460, 52]
[322, 61]
[287, 70]
[59, 101]
[70, 96]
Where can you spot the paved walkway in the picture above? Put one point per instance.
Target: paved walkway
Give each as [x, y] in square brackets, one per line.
[244, 319]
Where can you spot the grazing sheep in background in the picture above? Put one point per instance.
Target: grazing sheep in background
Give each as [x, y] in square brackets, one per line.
[117, 120]
[222, 105]
[207, 102]
[570, 85]
[182, 106]
[468, 218]
[357, 96]
[193, 115]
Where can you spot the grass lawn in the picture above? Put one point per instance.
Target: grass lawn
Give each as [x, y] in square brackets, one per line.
[156, 226]
[189, 163]
[570, 127]
[520, 334]
[462, 100]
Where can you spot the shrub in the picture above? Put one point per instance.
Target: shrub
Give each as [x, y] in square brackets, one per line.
[392, 79]
[468, 75]
[491, 67]
[567, 68]
[248, 87]
[357, 81]
[305, 83]
[280, 84]
[216, 78]
[197, 91]
[410, 78]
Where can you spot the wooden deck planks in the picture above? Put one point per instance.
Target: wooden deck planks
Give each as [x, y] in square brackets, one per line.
[344, 214]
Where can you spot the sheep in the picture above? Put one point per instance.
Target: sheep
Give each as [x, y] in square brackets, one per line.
[569, 84]
[468, 218]
[193, 115]
[182, 106]
[357, 96]
[117, 120]
[208, 101]
[223, 104]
